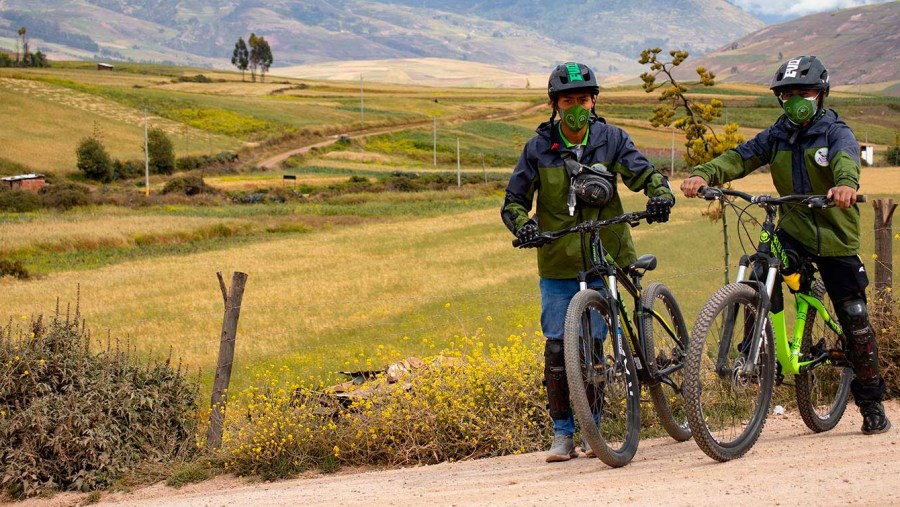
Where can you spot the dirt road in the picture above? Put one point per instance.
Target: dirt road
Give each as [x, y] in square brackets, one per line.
[274, 161]
[788, 466]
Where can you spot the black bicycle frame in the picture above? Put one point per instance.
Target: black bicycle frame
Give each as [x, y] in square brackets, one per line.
[614, 275]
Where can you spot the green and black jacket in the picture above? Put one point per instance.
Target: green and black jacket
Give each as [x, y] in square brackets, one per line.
[540, 170]
[808, 161]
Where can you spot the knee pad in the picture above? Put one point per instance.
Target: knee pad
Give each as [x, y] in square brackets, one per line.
[555, 380]
[863, 346]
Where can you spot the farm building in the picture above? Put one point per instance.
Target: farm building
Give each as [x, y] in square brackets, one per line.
[105, 66]
[25, 181]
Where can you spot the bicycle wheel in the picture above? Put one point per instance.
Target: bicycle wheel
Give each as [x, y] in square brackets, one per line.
[822, 391]
[665, 346]
[605, 393]
[726, 407]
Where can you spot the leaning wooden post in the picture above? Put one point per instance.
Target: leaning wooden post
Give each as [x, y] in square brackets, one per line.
[884, 214]
[226, 356]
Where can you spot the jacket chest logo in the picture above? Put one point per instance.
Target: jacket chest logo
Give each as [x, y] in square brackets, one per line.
[821, 157]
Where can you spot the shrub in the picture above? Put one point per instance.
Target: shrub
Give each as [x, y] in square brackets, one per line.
[93, 160]
[162, 153]
[473, 400]
[73, 419]
[190, 162]
[197, 78]
[65, 195]
[127, 169]
[893, 152]
[14, 269]
[893, 155]
[18, 201]
[188, 185]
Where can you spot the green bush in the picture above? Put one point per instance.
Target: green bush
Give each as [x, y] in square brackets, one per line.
[162, 153]
[65, 195]
[197, 78]
[14, 268]
[74, 419]
[893, 155]
[93, 160]
[893, 152]
[127, 169]
[188, 185]
[18, 201]
[191, 162]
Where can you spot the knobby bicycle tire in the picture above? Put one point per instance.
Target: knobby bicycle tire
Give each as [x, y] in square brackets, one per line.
[605, 396]
[727, 409]
[662, 316]
[822, 392]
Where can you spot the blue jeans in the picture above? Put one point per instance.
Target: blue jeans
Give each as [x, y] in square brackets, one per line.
[555, 297]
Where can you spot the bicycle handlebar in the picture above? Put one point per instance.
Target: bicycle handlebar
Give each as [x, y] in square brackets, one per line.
[812, 201]
[590, 225]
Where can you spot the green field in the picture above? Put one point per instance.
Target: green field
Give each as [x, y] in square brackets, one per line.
[340, 270]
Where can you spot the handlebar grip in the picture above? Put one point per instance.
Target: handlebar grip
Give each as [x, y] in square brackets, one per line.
[516, 242]
[861, 198]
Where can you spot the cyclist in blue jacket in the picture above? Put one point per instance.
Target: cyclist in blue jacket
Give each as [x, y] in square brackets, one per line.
[566, 197]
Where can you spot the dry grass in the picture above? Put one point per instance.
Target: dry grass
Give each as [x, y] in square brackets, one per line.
[50, 120]
[300, 289]
[97, 228]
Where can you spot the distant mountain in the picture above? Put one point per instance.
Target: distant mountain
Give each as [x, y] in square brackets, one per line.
[859, 46]
[514, 35]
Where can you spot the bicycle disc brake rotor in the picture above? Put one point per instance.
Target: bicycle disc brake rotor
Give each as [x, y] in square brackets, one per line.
[740, 381]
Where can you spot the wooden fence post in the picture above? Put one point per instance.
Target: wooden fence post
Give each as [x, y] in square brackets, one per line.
[226, 356]
[884, 214]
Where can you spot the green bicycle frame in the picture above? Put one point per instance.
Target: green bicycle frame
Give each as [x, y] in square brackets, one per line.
[788, 351]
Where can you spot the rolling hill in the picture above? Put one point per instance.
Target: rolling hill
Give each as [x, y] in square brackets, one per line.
[859, 46]
[515, 35]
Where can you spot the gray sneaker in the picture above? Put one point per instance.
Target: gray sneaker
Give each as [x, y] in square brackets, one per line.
[562, 449]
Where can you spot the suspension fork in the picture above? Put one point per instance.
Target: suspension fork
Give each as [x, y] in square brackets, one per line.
[764, 289]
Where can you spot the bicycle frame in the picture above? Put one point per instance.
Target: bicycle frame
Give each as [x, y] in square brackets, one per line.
[613, 275]
[770, 255]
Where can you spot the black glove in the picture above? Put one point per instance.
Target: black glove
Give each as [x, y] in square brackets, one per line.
[529, 236]
[659, 209]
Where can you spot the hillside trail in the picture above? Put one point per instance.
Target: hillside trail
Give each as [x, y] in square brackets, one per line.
[274, 161]
[788, 466]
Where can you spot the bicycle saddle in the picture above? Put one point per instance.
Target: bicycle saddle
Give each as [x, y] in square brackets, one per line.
[646, 262]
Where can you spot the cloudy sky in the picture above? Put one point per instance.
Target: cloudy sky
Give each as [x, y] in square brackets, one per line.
[789, 9]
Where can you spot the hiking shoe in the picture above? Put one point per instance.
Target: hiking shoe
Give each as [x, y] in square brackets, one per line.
[562, 449]
[586, 449]
[874, 420]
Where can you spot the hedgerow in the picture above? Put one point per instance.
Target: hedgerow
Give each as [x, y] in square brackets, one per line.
[72, 418]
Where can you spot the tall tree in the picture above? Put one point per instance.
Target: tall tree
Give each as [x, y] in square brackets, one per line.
[240, 58]
[260, 56]
[253, 58]
[265, 58]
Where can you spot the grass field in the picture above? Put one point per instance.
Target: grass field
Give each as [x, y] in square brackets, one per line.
[332, 278]
[411, 273]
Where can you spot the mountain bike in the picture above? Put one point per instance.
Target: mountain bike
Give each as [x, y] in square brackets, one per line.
[605, 375]
[731, 368]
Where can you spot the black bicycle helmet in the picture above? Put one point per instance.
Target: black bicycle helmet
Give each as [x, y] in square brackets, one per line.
[571, 76]
[801, 72]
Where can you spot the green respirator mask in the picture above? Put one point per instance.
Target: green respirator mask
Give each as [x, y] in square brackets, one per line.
[575, 117]
[799, 109]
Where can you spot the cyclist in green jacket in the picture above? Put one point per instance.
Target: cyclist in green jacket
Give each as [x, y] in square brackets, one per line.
[571, 166]
[812, 151]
